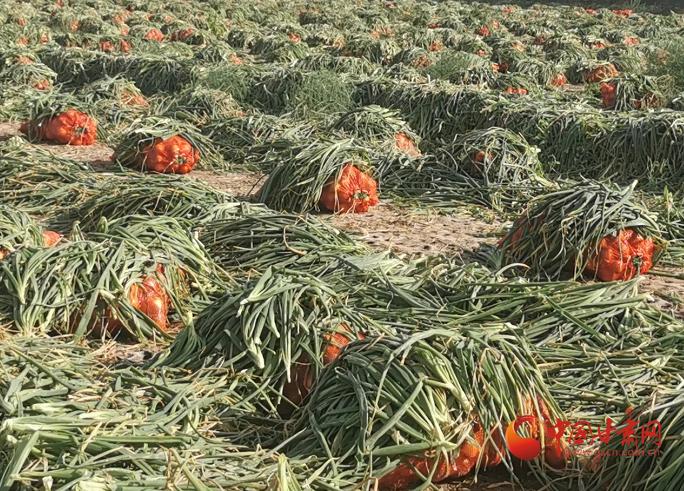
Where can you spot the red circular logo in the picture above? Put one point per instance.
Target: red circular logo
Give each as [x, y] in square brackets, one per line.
[524, 448]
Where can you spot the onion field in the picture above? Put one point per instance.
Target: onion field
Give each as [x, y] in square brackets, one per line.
[341, 246]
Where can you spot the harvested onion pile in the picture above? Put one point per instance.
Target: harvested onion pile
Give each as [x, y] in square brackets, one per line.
[351, 190]
[324, 175]
[164, 146]
[70, 127]
[586, 228]
[423, 408]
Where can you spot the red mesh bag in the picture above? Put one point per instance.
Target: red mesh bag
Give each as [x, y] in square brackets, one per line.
[608, 95]
[302, 375]
[353, 191]
[174, 155]
[409, 474]
[148, 297]
[71, 127]
[621, 256]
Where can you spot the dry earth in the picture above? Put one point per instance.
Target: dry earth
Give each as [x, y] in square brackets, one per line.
[389, 226]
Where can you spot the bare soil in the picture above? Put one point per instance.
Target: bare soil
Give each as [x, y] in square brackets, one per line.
[405, 231]
[8, 130]
[667, 293]
[240, 184]
[386, 226]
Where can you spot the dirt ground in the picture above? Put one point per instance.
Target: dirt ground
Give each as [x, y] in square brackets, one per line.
[388, 226]
[667, 292]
